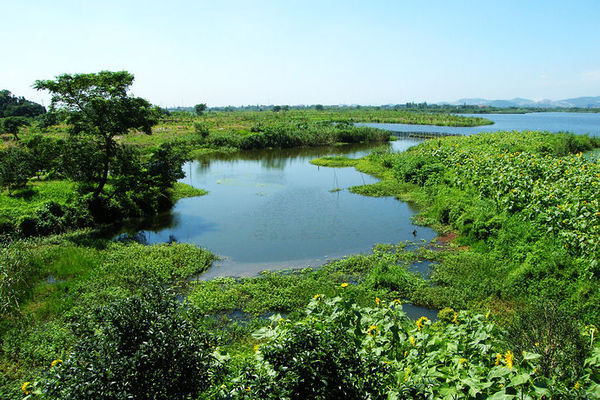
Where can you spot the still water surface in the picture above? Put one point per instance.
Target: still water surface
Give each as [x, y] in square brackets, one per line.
[579, 123]
[270, 210]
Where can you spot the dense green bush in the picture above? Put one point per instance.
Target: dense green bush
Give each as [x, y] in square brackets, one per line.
[546, 329]
[418, 169]
[15, 168]
[341, 350]
[16, 276]
[143, 347]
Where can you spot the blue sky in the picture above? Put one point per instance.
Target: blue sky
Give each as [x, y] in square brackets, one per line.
[308, 52]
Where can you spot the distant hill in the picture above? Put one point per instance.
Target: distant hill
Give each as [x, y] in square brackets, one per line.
[581, 102]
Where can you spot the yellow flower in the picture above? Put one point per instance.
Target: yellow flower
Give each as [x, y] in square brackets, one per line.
[455, 318]
[396, 301]
[462, 361]
[487, 315]
[377, 300]
[316, 296]
[57, 361]
[537, 344]
[421, 322]
[256, 348]
[25, 387]
[280, 320]
[577, 385]
[248, 389]
[509, 359]
[405, 353]
[498, 358]
[372, 330]
[344, 285]
[411, 340]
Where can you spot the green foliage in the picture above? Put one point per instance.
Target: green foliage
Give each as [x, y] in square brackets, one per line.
[201, 129]
[419, 169]
[200, 108]
[12, 106]
[553, 333]
[45, 153]
[143, 347]
[15, 168]
[465, 357]
[99, 105]
[528, 208]
[12, 125]
[16, 274]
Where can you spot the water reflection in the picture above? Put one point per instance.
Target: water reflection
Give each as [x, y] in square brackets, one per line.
[275, 210]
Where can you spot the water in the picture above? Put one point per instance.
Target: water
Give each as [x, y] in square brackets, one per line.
[269, 210]
[579, 123]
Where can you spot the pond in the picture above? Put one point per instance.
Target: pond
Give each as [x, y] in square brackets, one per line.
[272, 209]
[579, 123]
[269, 210]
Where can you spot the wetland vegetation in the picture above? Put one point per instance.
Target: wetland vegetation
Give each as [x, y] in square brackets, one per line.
[514, 274]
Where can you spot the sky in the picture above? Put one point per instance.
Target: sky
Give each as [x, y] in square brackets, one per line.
[371, 52]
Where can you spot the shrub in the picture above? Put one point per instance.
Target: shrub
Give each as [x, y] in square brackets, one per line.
[143, 347]
[552, 332]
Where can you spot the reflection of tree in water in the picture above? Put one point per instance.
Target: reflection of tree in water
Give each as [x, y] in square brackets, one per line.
[279, 158]
[139, 237]
[138, 229]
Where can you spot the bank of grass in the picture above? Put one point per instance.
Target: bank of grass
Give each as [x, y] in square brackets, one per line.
[58, 279]
[55, 281]
[526, 210]
[334, 161]
[38, 196]
[228, 131]
[27, 200]
[182, 190]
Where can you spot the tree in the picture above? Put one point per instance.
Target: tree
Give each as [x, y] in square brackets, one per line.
[200, 108]
[15, 168]
[12, 125]
[98, 104]
[12, 106]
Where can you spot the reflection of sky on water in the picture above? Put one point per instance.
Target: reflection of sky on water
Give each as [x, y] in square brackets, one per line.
[273, 210]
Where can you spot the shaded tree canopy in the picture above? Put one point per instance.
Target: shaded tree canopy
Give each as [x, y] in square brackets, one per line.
[13, 106]
[98, 104]
[200, 108]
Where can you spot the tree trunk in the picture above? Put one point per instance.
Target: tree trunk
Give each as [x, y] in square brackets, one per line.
[104, 178]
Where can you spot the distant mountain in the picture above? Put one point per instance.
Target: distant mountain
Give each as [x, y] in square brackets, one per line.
[583, 102]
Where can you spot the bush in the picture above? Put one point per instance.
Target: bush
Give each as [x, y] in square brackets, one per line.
[418, 169]
[201, 129]
[16, 275]
[144, 347]
[15, 168]
[546, 329]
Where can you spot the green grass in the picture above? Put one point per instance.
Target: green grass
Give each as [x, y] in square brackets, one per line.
[25, 201]
[334, 161]
[183, 190]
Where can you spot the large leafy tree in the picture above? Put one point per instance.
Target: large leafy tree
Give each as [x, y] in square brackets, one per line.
[99, 105]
